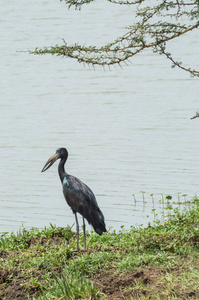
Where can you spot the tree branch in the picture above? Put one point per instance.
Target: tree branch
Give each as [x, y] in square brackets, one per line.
[145, 33]
[196, 116]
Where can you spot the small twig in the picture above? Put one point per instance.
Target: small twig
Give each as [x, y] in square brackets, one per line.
[196, 116]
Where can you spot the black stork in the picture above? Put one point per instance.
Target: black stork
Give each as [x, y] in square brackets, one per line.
[78, 196]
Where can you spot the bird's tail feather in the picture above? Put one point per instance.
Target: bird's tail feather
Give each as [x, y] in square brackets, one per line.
[100, 231]
[97, 221]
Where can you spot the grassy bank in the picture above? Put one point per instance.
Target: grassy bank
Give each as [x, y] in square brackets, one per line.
[160, 262]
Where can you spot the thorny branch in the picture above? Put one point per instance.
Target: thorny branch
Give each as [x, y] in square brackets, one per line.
[196, 116]
[156, 25]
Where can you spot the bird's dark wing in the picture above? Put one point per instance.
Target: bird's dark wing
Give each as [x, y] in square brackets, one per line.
[78, 195]
[82, 200]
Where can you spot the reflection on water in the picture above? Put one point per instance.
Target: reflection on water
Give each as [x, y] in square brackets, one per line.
[127, 130]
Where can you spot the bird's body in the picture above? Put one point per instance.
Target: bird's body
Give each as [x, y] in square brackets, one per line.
[78, 196]
[82, 200]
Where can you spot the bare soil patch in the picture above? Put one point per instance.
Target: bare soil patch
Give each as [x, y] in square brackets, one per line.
[15, 284]
[146, 282]
[124, 286]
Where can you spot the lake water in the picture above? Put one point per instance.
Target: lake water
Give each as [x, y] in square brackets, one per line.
[126, 129]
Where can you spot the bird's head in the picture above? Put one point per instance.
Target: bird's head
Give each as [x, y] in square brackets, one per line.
[60, 153]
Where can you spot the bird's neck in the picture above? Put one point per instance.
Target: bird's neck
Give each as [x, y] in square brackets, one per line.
[61, 169]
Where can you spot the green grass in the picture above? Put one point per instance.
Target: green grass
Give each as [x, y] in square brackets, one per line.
[159, 262]
[71, 285]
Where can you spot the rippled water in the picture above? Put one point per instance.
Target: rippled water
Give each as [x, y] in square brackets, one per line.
[127, 130]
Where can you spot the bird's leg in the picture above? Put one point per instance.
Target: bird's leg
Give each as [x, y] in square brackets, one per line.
[77, 227]
[84, 227]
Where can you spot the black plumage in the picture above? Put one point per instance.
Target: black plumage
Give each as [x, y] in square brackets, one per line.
[78, 196]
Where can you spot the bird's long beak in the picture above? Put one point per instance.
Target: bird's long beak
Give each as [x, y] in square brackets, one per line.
[50, 162]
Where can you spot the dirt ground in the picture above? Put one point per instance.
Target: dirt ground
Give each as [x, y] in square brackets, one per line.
[115, 286]
[136, 285]
[123, 286]
[12, 285]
